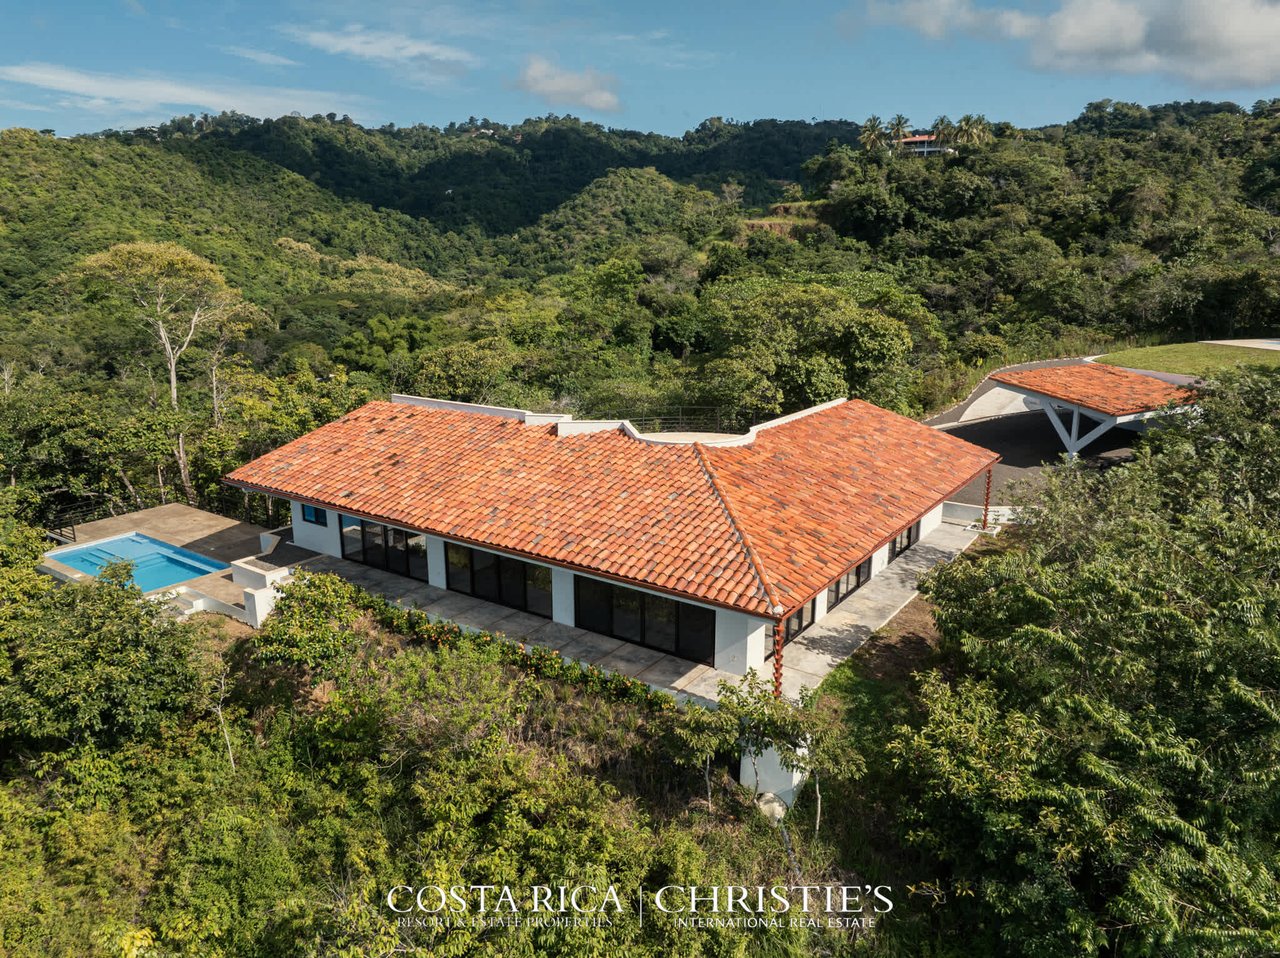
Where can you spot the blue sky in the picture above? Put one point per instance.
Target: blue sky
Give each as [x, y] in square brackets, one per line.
[84, 65]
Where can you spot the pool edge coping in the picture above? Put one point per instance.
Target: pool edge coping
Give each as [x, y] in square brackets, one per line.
[50, 565]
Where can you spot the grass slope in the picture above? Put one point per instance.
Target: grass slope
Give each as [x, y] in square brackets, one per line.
[1191, 359]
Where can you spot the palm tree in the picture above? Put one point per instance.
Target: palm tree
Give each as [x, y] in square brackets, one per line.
[973, 130]
[872, 134]
[943, 130]
[899, 130]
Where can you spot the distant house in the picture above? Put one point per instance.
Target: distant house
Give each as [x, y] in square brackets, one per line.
[714, 549]
[922, 144]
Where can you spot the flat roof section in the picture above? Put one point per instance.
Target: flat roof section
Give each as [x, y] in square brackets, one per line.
[1104, 389]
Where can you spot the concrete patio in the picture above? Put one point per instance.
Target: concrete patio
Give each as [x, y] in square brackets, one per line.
[687, 679]
[819, 649]
[806, 661]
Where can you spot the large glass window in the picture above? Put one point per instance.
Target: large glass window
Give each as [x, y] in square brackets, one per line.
[668, 625]
[697, 633]
[593, 605]
[352, 540]
[384, 547]
[502, 579]
[801, 619]
[848, 584]
[484, 575]
[397, 550]
[417, 546]
[904, 540]
[537, 589]
[375, 553]
[457, 567]
[662, 622]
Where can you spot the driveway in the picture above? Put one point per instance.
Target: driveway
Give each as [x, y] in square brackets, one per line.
[999, 419]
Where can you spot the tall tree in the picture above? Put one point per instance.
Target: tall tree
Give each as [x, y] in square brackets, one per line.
[176, 296]
[872, 135]
[943, 130]
[899, 130]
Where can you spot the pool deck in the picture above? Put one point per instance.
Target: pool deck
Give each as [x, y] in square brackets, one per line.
[180, 525]
[205, 533]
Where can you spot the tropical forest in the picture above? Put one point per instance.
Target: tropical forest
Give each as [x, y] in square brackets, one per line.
[1072, 750]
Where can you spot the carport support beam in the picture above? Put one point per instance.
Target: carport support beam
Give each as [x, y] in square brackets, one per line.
[1073, 441]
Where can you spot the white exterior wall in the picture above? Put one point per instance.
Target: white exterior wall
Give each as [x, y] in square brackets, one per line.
[879, 560]
[930, 521]
[820, 605]
[435, 562]
[741, 641]
[562, 596]
[325, 539]
[773, 777]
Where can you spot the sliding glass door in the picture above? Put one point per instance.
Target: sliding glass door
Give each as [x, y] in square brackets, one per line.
[502, 579]
[669, 625]
[385, 547]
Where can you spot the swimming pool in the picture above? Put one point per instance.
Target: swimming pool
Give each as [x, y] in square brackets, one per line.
[156, 564]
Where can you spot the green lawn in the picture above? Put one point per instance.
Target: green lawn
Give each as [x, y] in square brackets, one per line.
[1193, 359]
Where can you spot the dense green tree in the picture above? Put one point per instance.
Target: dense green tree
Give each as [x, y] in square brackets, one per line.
[1101, 776]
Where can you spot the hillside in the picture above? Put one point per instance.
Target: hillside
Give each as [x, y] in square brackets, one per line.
[63, 199]
[559, 263]
[496, 178]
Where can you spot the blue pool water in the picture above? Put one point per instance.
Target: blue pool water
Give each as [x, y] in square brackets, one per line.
[156, 564]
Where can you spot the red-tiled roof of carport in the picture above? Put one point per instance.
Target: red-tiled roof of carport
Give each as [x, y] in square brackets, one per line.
[1106, 389]
[759, 526]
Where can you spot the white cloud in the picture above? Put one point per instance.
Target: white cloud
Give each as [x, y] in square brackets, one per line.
[1225, 43]
[260, 56]
[151, 95]
[423, 61]
[560, 87]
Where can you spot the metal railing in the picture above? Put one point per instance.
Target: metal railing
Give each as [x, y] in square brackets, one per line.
[678, 419]
[62, 526]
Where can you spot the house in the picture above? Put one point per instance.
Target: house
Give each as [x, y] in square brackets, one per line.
[713, 549]
[921, 144]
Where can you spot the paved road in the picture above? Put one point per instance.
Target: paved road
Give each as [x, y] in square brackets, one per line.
[980, 400]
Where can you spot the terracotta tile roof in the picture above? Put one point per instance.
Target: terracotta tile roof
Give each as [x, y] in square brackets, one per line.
[755, 527]
[819, 493]
[1105, 389]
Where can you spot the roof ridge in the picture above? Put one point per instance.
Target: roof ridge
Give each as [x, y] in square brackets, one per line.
[776, 606]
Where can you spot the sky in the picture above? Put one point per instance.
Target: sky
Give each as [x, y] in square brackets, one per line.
[79, 66]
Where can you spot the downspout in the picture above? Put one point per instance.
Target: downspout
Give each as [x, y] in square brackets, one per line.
[777, 660]
[986, 501]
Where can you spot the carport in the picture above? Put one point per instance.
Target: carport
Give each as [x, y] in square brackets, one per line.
[1086, 400]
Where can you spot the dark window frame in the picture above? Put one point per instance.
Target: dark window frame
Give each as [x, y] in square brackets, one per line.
[849, 583]
[694, 638]
[800, 620]
[904, 540]
[317, 516]
[384, 535]
[502, 566]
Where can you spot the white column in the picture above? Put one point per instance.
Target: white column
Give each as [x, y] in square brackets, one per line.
[740, 642]
[879, 559]
[930, 521]
[436, 562]
[562, 596]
